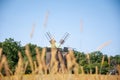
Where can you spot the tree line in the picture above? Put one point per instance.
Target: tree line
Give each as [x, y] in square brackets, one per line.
[90, 62]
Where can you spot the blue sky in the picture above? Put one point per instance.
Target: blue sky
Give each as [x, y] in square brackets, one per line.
[101, 22]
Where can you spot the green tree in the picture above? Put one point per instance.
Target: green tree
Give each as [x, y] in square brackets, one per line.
[117, 58]
[10, 50]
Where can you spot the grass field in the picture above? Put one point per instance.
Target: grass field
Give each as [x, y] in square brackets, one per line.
[63, 77]
[38, 72]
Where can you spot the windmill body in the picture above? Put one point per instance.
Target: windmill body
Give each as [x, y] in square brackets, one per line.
[60, 51]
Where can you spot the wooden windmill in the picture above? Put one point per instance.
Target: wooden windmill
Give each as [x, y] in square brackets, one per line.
[59, 51]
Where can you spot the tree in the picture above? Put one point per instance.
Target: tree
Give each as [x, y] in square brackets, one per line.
[117, 58]
[10, 50]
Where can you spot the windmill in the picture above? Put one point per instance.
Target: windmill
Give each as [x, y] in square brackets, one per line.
[53, 45]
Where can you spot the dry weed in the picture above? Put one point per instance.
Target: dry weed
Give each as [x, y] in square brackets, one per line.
[28, 54]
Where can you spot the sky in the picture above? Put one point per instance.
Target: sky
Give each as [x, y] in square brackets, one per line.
[90, 23]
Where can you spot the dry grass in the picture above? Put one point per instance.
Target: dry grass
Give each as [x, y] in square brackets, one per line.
[39, 62]
[44, 66]
[109, 60]
[102, 63]
[32, 32]
[62, 68]
[28, 54]
[46, 19]
[19, 67]
[0, 52]
[66, 77]
[53, 62]
[96, 69]
[118, 68]
[39, 68]
[104, 45]
[71, 62]
[82, 69]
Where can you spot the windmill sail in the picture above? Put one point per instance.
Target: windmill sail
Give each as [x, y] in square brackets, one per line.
[63, 39]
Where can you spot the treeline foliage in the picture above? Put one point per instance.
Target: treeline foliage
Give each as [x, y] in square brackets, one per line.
[11, 48]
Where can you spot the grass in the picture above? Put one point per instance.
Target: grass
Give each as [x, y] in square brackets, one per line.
[39, 67]
[66, 77]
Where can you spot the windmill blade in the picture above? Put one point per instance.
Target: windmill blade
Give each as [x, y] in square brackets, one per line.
[62, 41]
[66, 36]
[49, 37]
[104, 45]
[32, 32]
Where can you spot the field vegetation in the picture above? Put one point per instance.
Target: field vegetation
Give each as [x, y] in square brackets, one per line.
[27, 62]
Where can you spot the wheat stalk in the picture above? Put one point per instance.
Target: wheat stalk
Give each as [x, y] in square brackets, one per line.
[25, 66]
[62, 64]
[103, 45]
[19, 71]
[38, 58]
[71, 62]
[0, 52]
[118, 69]
[39, 61]
[1, 76]
[53, 62]
[27, 52]
[96, 69]
[19, 68]
[109, 61]
[88, 58]
[46, 19]
[35, 65]
[43, 60]
[102, 60]
[6, 67]
[32, 32]
[43, 54]
[2, 62]
[82, 70]
[102, 63]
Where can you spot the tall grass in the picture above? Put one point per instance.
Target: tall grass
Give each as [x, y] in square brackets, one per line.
[102, 63]
[28, 54]
[39, 67]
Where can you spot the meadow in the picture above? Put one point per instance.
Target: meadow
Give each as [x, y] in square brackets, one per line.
[39, 70]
